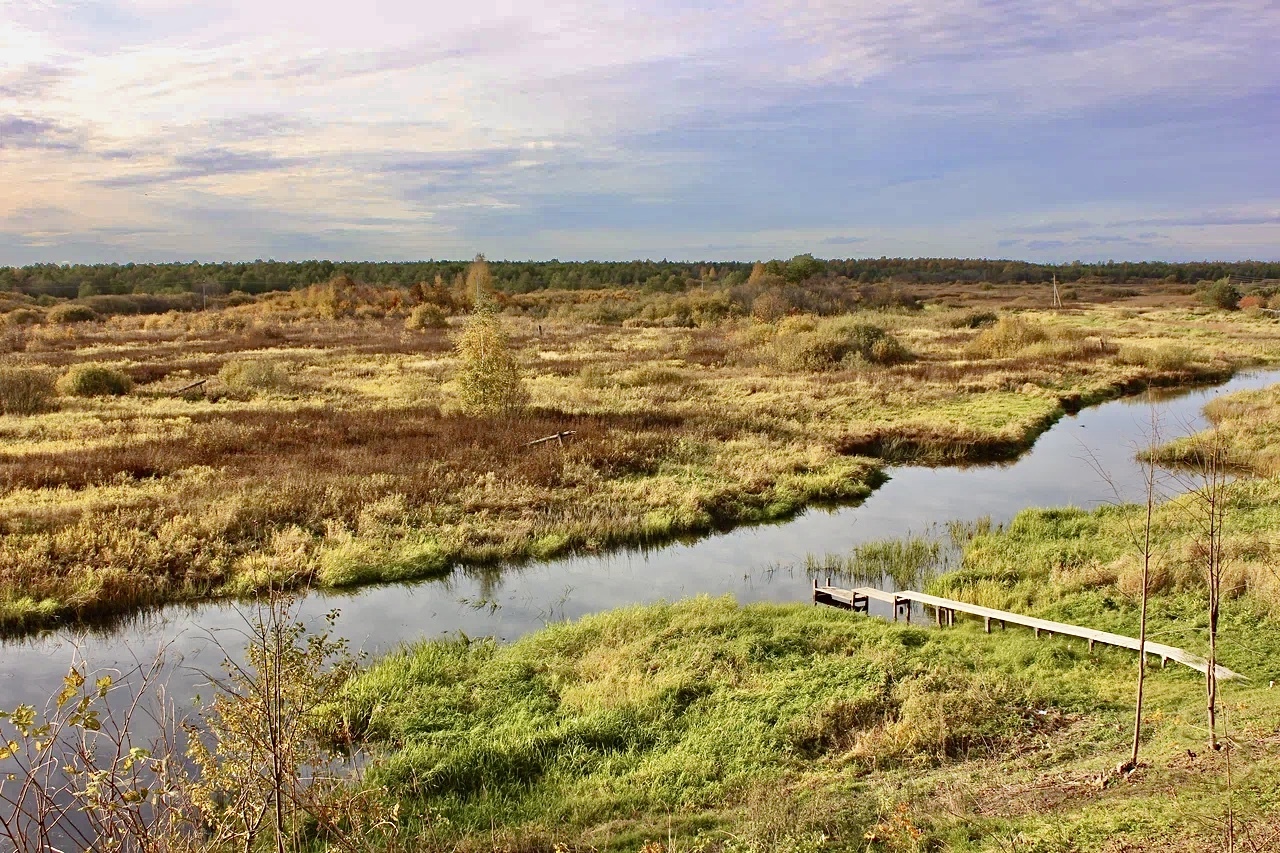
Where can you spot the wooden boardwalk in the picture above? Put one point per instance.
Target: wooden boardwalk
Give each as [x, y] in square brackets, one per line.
[858, 599]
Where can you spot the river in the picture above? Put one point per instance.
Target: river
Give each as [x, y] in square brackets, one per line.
[760, 563]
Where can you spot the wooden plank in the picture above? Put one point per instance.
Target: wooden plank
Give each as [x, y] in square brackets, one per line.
[877, 594]
[946, 608]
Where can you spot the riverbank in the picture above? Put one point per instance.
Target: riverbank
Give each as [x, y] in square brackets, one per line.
[350, 466]
[706, 725]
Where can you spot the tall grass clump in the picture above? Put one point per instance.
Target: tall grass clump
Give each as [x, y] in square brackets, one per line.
[253, 375]
[805, 343]
[1009, 336]
[94, 380]
[1161, 357]
[908, 561]
[26, 390]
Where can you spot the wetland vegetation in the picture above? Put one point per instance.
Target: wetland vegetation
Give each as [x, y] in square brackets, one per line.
[326, 436]
[323, 437]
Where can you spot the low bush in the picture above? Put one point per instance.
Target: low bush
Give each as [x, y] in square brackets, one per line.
[71, 312]
[426, 316]
[973, 320]
[253, 375]
[1009, 336]
[110, 304]
[26, 390]
[94, 380]
[24, 317]
[803, 343]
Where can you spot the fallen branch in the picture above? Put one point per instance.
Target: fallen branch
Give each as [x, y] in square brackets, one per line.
[195, 384]
[560, 436]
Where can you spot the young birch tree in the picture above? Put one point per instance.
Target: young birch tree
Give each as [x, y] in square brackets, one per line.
[489, 380]
[1141, 539]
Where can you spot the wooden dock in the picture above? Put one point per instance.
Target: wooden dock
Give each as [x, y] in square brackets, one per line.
[858, 599]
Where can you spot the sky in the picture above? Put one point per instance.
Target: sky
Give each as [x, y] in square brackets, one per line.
[158, 130]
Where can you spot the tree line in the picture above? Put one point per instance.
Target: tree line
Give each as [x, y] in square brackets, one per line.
[70, 281]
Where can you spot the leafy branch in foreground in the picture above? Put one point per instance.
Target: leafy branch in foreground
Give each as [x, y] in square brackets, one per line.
[262, 768]
[270, 770]
[75, 775]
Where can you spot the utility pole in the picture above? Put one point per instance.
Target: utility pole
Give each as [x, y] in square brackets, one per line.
[1057, 301]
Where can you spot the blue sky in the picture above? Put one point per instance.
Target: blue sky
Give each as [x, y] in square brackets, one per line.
[401, 129]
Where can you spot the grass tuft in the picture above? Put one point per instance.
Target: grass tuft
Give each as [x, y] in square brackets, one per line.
[94, 380]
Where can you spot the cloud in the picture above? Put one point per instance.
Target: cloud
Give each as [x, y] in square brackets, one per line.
[18, 132]
[968, 126]
[1202, 220]
[30, 82]
[1050, 227]
[211, 162]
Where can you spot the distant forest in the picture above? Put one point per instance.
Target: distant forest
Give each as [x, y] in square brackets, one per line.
[84, 280]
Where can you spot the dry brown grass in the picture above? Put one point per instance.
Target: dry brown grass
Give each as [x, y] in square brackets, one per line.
[356, 464]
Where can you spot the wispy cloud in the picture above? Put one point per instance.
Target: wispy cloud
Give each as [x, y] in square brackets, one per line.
[557, 127]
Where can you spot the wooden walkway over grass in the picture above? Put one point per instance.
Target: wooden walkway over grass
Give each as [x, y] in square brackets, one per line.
[858, 599]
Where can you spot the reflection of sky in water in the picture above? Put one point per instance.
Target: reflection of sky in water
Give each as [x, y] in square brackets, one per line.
[763, 563]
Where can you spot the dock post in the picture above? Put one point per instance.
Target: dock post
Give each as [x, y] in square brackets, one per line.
[937, 616]
[951, 617]
[1091, 646]
[986, 624]
[1037, 630]
[1002, 625]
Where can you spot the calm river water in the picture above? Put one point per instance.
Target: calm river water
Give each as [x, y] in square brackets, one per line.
[763, 563]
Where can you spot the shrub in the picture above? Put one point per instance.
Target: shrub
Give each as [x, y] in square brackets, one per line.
[24, 317]
[25, 390]
[253, 375]
[888, 296]
[71, 312]
[802, 344]
[1221, 294]
[94, 380]
[1253, 301]
[1007, 337]
[426, 316]
[973, 320]
[769, 306]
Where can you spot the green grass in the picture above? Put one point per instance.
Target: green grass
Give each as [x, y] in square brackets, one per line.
[705, 725]
[624, 719]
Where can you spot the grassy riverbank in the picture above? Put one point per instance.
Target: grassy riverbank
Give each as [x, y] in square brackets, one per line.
[705, 725]
[327, 446]
[1245, 426]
